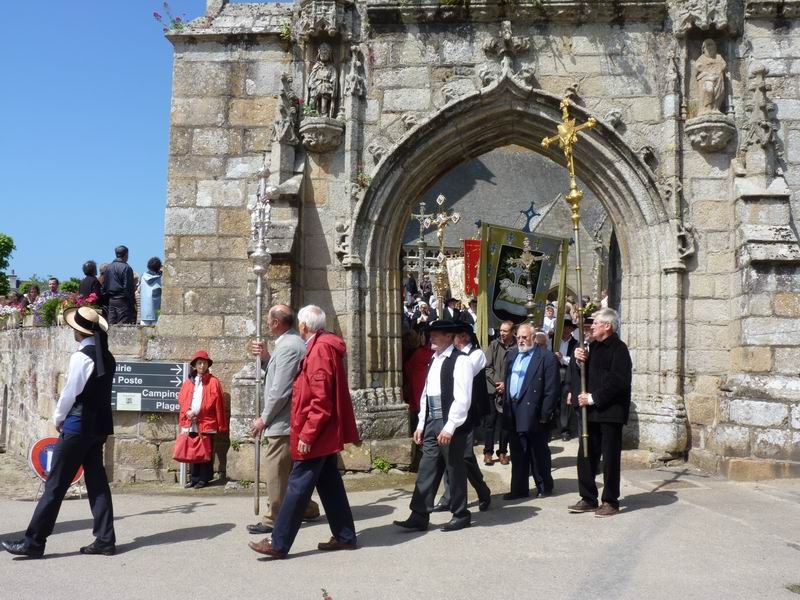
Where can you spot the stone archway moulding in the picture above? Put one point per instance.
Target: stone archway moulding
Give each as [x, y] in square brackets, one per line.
[509, 112]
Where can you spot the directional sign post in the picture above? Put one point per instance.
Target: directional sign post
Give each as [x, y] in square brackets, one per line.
[148, 386]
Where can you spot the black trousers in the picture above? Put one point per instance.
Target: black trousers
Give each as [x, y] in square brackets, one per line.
[322, 473]
[605, 440]
[530, 454]
[435, 461]
[121, 311]
[71, 452]
[474, 475]
[493, 429]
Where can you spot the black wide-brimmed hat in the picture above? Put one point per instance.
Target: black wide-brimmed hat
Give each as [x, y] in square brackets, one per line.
[568, 321]
[446, 326]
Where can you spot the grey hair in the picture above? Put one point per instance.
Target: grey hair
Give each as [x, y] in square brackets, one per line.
[528, 326]
[312, 317]
[609, 316]
[540, 335]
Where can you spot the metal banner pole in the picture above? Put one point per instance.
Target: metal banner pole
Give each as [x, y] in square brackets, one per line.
[567, 137]
[260, 258]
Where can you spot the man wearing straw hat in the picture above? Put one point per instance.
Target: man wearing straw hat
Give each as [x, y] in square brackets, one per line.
[83, 418]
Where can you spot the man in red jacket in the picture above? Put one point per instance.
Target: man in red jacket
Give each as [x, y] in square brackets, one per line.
[322, 423]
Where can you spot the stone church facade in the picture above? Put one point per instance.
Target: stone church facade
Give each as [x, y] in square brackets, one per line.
[357, 108]
[354, 110]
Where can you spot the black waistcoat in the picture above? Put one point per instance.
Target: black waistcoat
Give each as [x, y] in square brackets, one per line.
[95, 399]
[447, 385]
[479, 407]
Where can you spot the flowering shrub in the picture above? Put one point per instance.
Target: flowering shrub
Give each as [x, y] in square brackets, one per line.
[168, 21]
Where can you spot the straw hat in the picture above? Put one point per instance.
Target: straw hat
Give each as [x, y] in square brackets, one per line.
[85, 320]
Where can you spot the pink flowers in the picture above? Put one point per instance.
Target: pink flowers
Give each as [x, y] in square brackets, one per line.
[170, 23]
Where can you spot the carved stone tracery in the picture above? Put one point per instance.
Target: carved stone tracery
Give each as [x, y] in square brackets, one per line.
[699, 14]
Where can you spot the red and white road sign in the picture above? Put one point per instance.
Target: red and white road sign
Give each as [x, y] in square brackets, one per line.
[41, 458]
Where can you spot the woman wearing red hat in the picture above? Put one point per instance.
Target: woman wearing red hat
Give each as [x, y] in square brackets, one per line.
[202, 411]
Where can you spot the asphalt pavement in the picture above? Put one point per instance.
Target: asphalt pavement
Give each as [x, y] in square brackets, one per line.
[680, 535]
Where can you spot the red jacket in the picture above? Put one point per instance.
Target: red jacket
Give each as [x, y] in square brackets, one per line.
[322, 410]
[415, 372]
[212, 415]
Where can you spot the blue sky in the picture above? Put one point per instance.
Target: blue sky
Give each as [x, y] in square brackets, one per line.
[85, 127]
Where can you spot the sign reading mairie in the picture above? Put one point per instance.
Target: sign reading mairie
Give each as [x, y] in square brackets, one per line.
[147, 386]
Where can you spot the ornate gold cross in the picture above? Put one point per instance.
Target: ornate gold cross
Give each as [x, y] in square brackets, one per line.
[441, 220]
[567, 138]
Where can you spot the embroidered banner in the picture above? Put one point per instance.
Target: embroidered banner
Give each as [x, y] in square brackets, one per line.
[472, 258]
[505, 280]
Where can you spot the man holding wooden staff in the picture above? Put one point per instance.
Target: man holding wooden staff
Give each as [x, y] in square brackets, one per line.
[607, 400]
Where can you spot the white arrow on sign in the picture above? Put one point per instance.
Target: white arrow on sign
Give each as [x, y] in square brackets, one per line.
[176, 380]
[177, 369]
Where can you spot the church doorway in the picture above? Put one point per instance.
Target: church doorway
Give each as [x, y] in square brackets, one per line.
[649, 268]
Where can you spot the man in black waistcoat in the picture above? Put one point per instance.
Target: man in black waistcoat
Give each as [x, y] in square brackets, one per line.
[83, 418]
[608, 401]
[442, 431]
[466, 342]
[532, 392]
[119, 288]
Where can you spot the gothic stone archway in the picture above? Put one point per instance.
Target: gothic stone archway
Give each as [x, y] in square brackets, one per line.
[509, 112]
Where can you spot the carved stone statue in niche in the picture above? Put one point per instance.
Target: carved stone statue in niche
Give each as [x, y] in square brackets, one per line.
[709, 72]
[322, 82]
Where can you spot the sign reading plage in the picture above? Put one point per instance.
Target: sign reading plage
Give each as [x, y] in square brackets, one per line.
[148, 386]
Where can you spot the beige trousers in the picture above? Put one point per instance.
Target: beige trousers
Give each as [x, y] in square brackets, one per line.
[278, 465]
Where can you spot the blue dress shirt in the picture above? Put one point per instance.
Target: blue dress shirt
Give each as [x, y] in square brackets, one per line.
[518, 370]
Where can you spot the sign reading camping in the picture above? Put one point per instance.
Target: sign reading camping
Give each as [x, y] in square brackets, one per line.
[147, 386]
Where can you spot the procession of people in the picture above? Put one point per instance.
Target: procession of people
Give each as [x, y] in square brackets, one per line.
[308, 418]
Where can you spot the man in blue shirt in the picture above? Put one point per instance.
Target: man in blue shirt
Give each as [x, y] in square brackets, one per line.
[532, 393]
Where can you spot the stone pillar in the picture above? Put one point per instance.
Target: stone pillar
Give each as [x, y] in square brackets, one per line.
[214, 7]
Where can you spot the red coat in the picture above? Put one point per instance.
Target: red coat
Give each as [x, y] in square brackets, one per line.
[322, 410]
[415, 372]
[212, 415]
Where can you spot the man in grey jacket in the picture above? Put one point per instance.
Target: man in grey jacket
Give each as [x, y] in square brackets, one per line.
[282, 368]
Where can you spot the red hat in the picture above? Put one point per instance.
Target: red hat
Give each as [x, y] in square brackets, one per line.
[201, 354]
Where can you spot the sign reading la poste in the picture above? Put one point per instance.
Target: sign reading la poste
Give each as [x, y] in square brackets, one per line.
[147, 386]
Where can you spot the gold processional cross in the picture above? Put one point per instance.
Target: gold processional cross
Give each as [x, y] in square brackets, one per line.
[441, 220]
[567, 138]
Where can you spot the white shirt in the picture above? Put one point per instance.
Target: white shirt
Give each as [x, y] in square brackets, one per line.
[78, 373]
[564, 348]
[462, 389]
[548, 324]
[476, 359]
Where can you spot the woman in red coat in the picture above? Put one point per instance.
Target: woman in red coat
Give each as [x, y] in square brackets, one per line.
[202, 411]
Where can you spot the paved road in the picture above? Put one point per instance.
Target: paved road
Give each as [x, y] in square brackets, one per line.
[680, 535]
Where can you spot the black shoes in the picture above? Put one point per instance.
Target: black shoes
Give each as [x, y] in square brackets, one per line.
[98, 548]
[200, 484]
[188, 485]
[413, 523]
[22, 548]
[483, 505]
[511, 496]
[457, 523]
[441, 507]
[259, 528]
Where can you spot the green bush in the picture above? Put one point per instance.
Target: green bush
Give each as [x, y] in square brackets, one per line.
[71, 285]
[49, 311]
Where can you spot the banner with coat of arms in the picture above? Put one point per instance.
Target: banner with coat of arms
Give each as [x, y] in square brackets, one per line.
[504, 279]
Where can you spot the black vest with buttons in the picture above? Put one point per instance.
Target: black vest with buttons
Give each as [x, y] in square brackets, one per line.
[446, 383]
[94, 402]
[479, 407]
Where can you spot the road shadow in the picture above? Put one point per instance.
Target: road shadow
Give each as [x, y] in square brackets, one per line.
[647, 500]
[176, 536]
[79, 524]
[565, 462]
[391, 535]
[366, 512]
